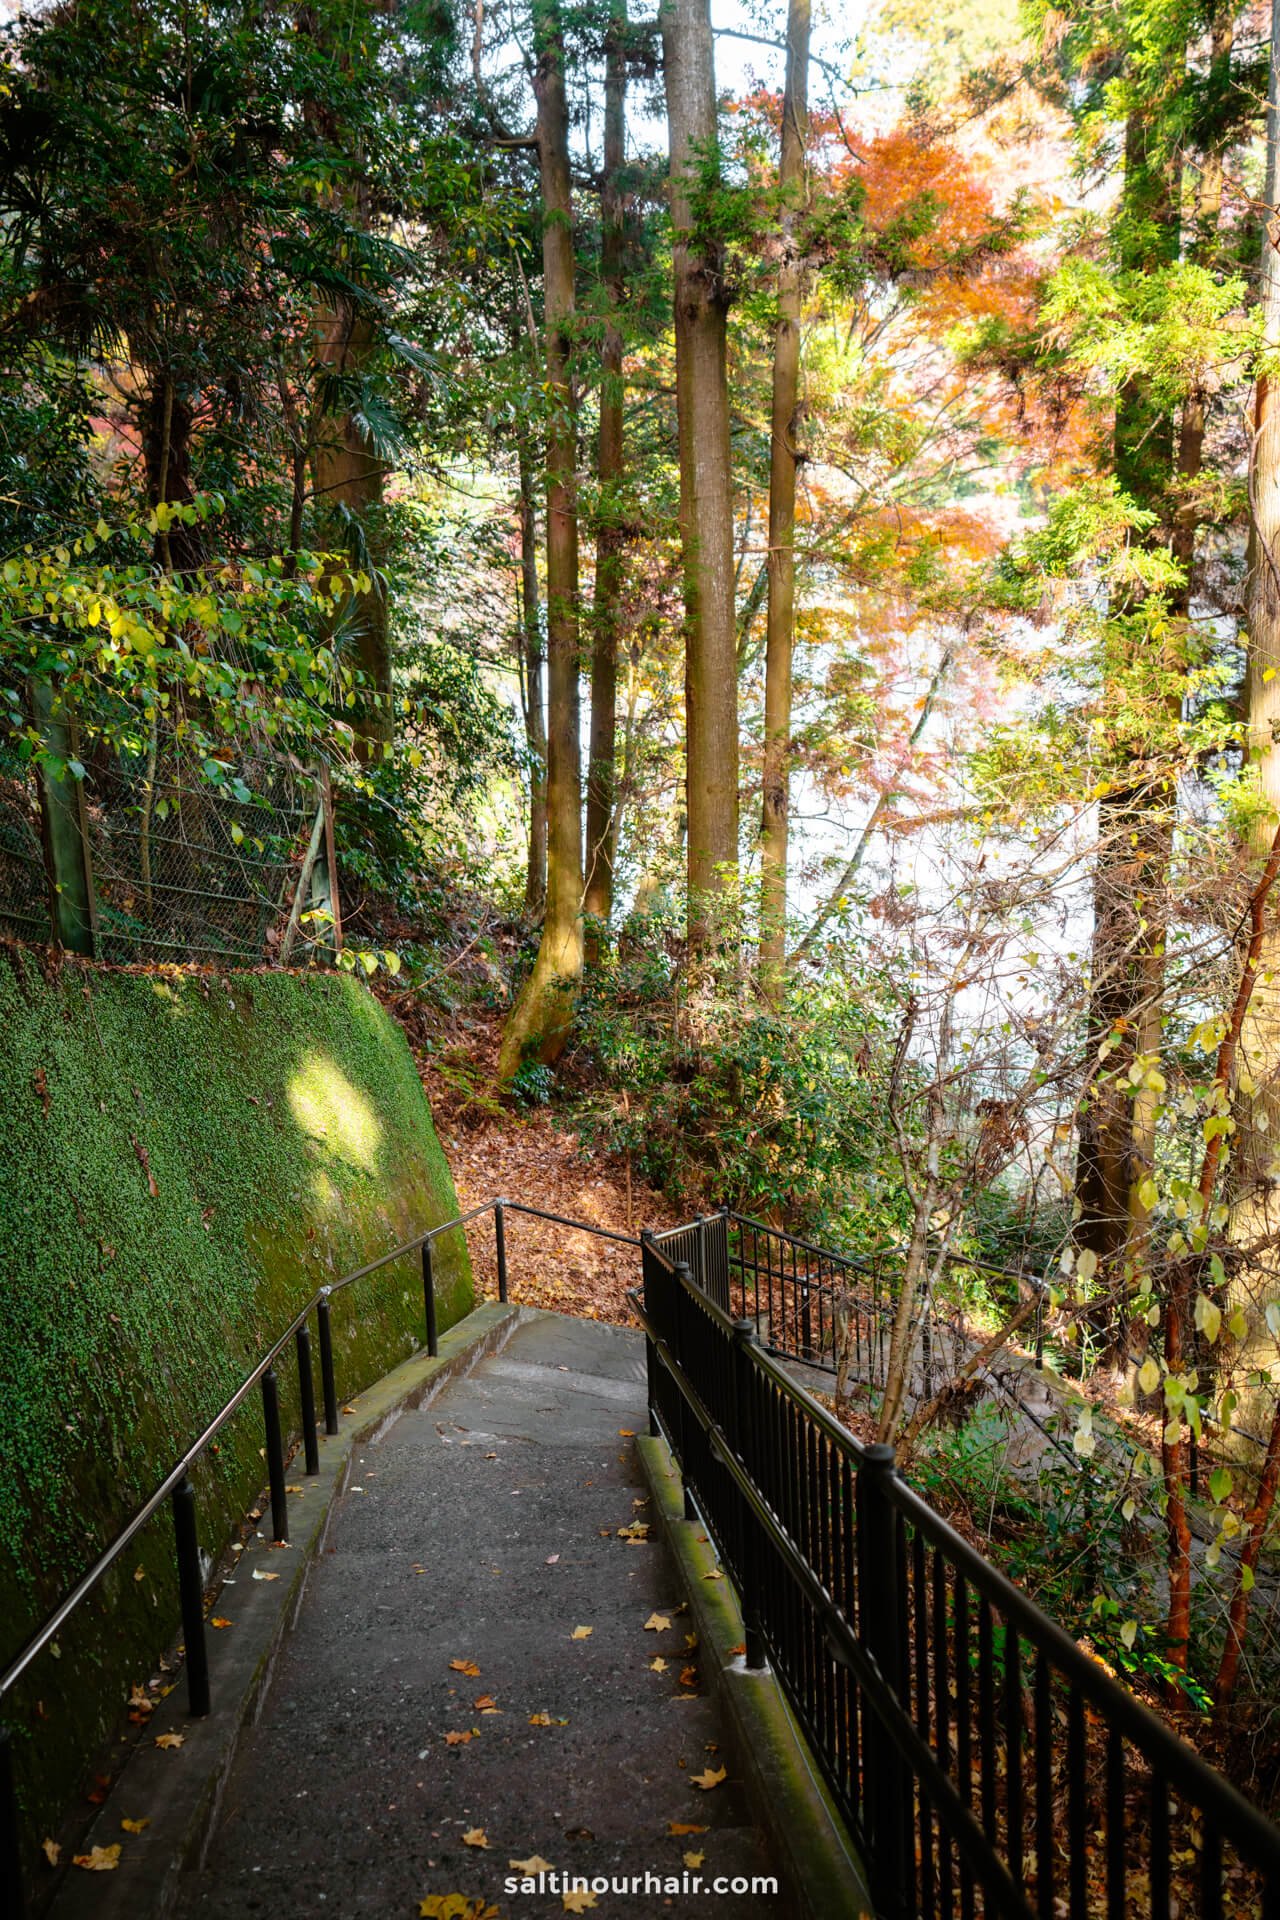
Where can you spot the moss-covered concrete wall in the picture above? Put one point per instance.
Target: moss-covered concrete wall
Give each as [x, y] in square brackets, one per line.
[183, 1160]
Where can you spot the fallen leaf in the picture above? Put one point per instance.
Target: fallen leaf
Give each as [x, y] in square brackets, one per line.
[134, 1826]
[716, 1573]
[475, 1836]
[677, 1829]
[691, 1641]
[348, 1409]
[98, 1859]
[456, 1906]
[626, 1433]
[99, 1790]
[657, 1664]
[458, 1739]
[51, 1851]
[578, 1902]
[694, 1859]
[582, 1633]
[552, 1558]
[688, 1676]
[532, 1867]
[484, 1703]
[636, 1531]
[656, 1623]
[139, 1573]
[710, 1779]
[468, 1667]
[293, 1489]
[170, 1739]
[539, 1719]
[264, 1576]
[219, 1621]
[740, 1648]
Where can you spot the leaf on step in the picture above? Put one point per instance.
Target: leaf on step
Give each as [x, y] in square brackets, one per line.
[170, 1739]
[582, 1633]
[531, 1867]
[51, 1851]
[475, 1837]
[468, 1667]
[456, 1906]
[98, 1859]
[677, 1829]
[711, 1778]
[134, 1826]
[694, 1859]
[454, 1739]
[657, 1664]
[657, 1623]
[577, 1902]
[264, 1576]
[219, 1620]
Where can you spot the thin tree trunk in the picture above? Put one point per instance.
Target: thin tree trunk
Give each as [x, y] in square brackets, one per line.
[535, 713]
[349, 475]
[539, 1023]
[706, 484]
[601, 772]
[784, 462]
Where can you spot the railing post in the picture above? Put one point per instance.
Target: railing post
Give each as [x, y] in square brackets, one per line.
[307, 1398]
[744, 1334]
[683, 1275]
[500, 1247]
[879, 1608]
[275, 1454]
[429, 1299]
[12, 1896]
[326, 1363]
[191, 1597]
[1040, 1328]
[650, 1358]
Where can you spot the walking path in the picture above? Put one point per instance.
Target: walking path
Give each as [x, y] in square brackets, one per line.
[471, 1663]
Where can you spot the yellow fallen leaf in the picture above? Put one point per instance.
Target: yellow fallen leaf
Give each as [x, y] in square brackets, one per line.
[694, 1859]
[259, 1575]
[657, 1664]
[716, 1573]
[678, 1828]
[485, 1703]
[51, 1851]
[531, 1867]
[626, 1433]
[468, 1667]
[577, 1902]
[98, 1859]
[170, 1739]
[656, 1623]
[456, 1906]
[474, 1837]
[458, 1739]
[134, 1826]
[219, 1621]
[582, 1633]
[139, 1573]
[709, 1779]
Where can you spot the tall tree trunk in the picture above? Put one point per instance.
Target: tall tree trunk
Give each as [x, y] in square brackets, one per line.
[610, 536]
[784, 460]
[349, 476]
[706, 484]
[535, 713]
[539, 1023]
[1117, 1138]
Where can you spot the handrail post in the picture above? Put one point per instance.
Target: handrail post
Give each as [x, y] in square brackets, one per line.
[683, 1275]
[275, 1455]
[879, 1604]
[500, 1247]
[429, 1299]
[191, 1597]
[744, 1334]
[650, 1357]
[12, 1896]
[326, 1363]
[307, 1398]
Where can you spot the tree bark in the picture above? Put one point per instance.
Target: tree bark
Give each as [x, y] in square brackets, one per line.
[784, 463]
[539, 1023]
[535, 713]
[349, 475]
[610, 536]
[706, 485]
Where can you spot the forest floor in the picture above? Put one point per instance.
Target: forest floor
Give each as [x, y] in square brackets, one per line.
[500, 1152]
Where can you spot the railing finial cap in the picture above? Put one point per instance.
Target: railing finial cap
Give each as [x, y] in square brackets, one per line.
[879, 1455]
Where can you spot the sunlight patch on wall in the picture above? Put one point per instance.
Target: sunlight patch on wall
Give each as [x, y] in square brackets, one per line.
[327, 1106]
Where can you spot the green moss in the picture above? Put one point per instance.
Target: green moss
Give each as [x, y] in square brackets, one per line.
[283, 1128]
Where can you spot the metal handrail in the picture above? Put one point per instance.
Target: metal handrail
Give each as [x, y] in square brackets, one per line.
[733, 1344]
[176, 1484]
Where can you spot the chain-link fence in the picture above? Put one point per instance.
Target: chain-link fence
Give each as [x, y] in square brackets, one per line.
[176, 860]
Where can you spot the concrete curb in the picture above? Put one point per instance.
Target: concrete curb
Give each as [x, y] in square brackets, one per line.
[822, 1872]
[178, 1791]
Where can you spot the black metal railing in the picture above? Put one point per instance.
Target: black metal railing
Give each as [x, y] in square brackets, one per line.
[177, 1488]
[987, 1765]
